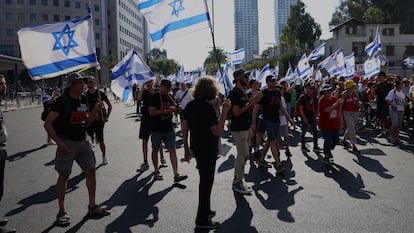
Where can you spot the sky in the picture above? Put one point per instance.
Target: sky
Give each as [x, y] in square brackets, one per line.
[190, 50]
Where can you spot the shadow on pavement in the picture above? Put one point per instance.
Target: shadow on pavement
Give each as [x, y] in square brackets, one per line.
[23, 154]
[372, 165]
[135, 196]
[227, 165]
[46, 196]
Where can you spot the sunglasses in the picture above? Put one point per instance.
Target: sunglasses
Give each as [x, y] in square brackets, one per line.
[89, 82]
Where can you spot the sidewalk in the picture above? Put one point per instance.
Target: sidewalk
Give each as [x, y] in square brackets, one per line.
[22, 103]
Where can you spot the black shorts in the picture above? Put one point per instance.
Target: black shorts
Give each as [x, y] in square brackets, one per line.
[144, 130]
[382, 111]
[96, 128]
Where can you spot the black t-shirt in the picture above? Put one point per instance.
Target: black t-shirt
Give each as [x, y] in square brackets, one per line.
[308, 103]
[71, 121]
[242, 122]
[200, 116]
[162, 123]
[270, 103]
[145, 99]
[288, 96]
[382, 90]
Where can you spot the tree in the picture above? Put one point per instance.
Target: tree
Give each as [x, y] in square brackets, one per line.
[301, 30]
[210, 63]
[164, 66]
[156, 53]
[373, 15]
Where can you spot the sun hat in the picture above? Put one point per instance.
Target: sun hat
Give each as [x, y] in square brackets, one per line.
[70, 78]
[349, 83]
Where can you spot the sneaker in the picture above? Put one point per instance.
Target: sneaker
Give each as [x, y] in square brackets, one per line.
[178, 178]
[345, 143]
[104, 161]
[288, 154]
[50, 142]
[305, 149]
[208, 225]
[163, 162]
[326, 160]
[240, 188]
[144, 166]
[280, 168]
[316, 149]
[264, 164]
[355, 150]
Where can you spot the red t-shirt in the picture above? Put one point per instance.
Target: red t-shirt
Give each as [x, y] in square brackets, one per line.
[328, 120]
[351, 102]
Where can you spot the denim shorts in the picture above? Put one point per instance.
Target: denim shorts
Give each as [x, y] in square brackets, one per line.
[272, 129]
[167, 137]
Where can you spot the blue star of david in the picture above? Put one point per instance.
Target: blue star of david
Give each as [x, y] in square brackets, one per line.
[177, 6]
[70, 42]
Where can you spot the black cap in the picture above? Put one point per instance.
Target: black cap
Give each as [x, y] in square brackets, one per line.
[72, 77]
[270, 77]
[166, 83]
[240, 73]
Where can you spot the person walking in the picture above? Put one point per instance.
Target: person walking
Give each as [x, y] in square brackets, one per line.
[329, 120]
[350, 110]
[307, 110]
[96, 128]
[205, 130]
[161, 109]
[48, 98]
[66, 124]
[396, 101]
[240, 125]
[3, 155]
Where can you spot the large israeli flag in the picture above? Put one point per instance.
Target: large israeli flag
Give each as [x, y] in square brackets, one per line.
[131, 69]
[350, 66]
[317, 53]
[303, 68]
[334, 64]
[372, 48]
[51, 50]
[228, 78]
[237, 57]
[171, 18]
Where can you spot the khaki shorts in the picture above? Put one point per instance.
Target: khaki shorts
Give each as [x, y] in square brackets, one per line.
[79, 151]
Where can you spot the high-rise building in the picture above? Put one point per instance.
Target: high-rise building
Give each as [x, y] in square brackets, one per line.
[282, 12]
[246, 25]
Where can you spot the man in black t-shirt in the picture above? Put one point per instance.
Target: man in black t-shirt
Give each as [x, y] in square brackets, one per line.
[161, 109]
[66, 125]
[382, 89]
[240, 126]
[307, 108]
[97, 125]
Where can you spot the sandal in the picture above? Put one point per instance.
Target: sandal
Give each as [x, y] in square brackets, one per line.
[96, 211]
[158, 176]
[62, 219]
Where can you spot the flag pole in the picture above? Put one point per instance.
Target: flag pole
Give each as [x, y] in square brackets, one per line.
[214, 42]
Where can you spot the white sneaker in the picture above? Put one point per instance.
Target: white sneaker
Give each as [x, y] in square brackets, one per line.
[51, 142]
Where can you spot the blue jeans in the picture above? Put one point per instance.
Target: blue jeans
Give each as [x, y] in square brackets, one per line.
[331, 138]
[312, 124]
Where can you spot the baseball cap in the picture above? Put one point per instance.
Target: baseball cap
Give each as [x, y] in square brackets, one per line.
[70, 78]
[270, 78]
[325, 88]
[240, 73]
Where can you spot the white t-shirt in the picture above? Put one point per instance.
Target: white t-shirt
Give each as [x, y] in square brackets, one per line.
[183, 101]
[283, 118]
[398, 98]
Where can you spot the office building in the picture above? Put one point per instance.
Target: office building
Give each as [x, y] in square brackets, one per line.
[246, 24]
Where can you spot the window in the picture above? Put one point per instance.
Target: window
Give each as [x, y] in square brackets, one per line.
[9, 32]
[97, 36]
[55, 2]
[96, 7]
[33, 16]
[77, 5]
[97, 22]
[45, 2]
[45, 17]
[8, 2]
[20, 2]
[56, 18]
[67, 3]
[389, 50]
[7, 49]
[67, 17]
[388, 31]
[32, 2]
[9, 16]
[20, 16]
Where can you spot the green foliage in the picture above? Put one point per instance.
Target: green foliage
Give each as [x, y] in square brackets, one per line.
[164, 66]
[373, 15]
[301, 31]
[109, 60]
[156, 53]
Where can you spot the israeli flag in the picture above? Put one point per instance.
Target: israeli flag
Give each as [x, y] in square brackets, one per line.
[275, 71]
[372, 48]
[334, 64]
[171, 18]
[237, 57]
[131, 69]
[228, 78]
[303, 68]
[317, 53]
[371, 67]
[261, 78]
[350, 66]
[409, 62]
[51, 50]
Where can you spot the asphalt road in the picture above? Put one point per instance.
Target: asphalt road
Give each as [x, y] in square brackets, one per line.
[372, 192]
